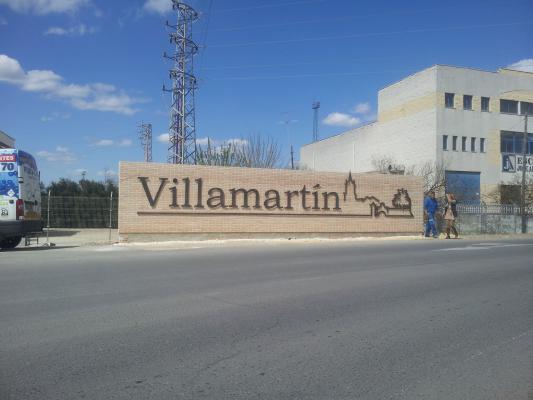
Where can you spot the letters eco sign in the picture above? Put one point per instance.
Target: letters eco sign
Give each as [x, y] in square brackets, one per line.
[514, 163]
[162, 198]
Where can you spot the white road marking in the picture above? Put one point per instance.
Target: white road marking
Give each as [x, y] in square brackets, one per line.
[485, 246]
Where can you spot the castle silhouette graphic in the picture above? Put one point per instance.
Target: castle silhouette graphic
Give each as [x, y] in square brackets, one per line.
[401, 205]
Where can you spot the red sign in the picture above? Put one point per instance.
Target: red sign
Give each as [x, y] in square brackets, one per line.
[8, 158]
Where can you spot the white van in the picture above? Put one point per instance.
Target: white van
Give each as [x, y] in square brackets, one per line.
[20, 197]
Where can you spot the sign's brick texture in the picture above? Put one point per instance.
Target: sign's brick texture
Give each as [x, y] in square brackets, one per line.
[374, 203]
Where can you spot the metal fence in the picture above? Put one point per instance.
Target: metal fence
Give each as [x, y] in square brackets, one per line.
[492, 219]
[80, 212]
[102, 212]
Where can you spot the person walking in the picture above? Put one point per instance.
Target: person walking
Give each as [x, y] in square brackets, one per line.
[450, 214]
[430, 209]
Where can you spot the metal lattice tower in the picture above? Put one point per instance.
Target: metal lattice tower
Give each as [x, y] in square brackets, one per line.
[182, 127]
[316, 106]
[145, 136]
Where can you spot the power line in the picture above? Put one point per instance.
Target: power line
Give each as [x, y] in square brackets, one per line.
[333, 74]
[328, 61]
[355, 17]
[370, 34]
[293, 3]
[206, 31]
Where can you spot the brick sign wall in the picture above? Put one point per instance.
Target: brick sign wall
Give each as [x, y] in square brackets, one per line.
[182, 200]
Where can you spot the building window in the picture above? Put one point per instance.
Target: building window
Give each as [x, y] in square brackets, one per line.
[454, 143]
[509, 106]
[473, 145]
[526, 108]
[449, 99]
[512, 142]
[485, 102]
[444, 142]
[467, 102]
[482, 145]
[463, 143]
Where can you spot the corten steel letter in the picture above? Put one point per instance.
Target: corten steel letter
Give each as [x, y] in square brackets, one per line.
[187, 182]
[174, 192]
[315, 197]
[304, 194]
[275, 199]
[245, 193]
[326, 196]
[289, 194]
[220, 198]
[199, 185]
[153, 201]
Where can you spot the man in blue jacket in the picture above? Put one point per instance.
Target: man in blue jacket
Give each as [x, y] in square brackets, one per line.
[430, 207]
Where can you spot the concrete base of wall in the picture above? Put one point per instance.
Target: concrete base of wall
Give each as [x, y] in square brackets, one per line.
[162, 237]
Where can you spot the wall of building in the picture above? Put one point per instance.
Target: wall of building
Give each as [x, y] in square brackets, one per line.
[154, 202]
[404, 108]
[412, 120]
[479, 124]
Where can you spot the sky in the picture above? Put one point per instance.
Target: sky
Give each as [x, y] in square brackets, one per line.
[77, 77]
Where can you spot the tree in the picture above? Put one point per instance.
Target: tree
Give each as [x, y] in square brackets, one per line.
[433, 173]
[64, 187]
[255, 151]
[224, 155]
[258, 152]
[511, 192]
[84, 188]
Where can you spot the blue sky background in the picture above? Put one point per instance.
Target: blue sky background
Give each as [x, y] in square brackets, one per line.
[77, 76]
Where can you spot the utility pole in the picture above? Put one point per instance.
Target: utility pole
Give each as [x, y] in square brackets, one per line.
[524, 167]
[182, 127]
[286, 122]
[145, 136]
[316, 106]
[292, 158]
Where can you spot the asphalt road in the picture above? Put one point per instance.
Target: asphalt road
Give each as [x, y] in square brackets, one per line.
[372, 320]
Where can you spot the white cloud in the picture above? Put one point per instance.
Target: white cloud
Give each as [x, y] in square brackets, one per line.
[523, 65]
[56, 31]
[125, 143]
[235, 141]
[54, 116]
[203, 141]
[95, 96]
[104, 143]
[341, 119]
[111, 142]
[43, 7]
[158, 6]
[362, 108]
[61, 154]
[78, 30]
[108, 173]
[10, 70]
[163, 138]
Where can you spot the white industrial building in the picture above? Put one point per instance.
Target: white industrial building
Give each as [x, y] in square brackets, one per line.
[467, 120]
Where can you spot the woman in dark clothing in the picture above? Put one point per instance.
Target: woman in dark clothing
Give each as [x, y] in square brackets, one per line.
[450, 214]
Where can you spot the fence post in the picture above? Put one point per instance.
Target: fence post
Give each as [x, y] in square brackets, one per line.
[48, 218]
[110, 214]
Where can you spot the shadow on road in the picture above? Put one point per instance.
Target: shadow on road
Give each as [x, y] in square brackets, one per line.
[35, 248]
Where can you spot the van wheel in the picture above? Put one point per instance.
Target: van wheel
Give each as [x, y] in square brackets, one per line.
[10, 242]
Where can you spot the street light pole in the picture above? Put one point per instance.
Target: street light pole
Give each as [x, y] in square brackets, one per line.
[524, 166]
